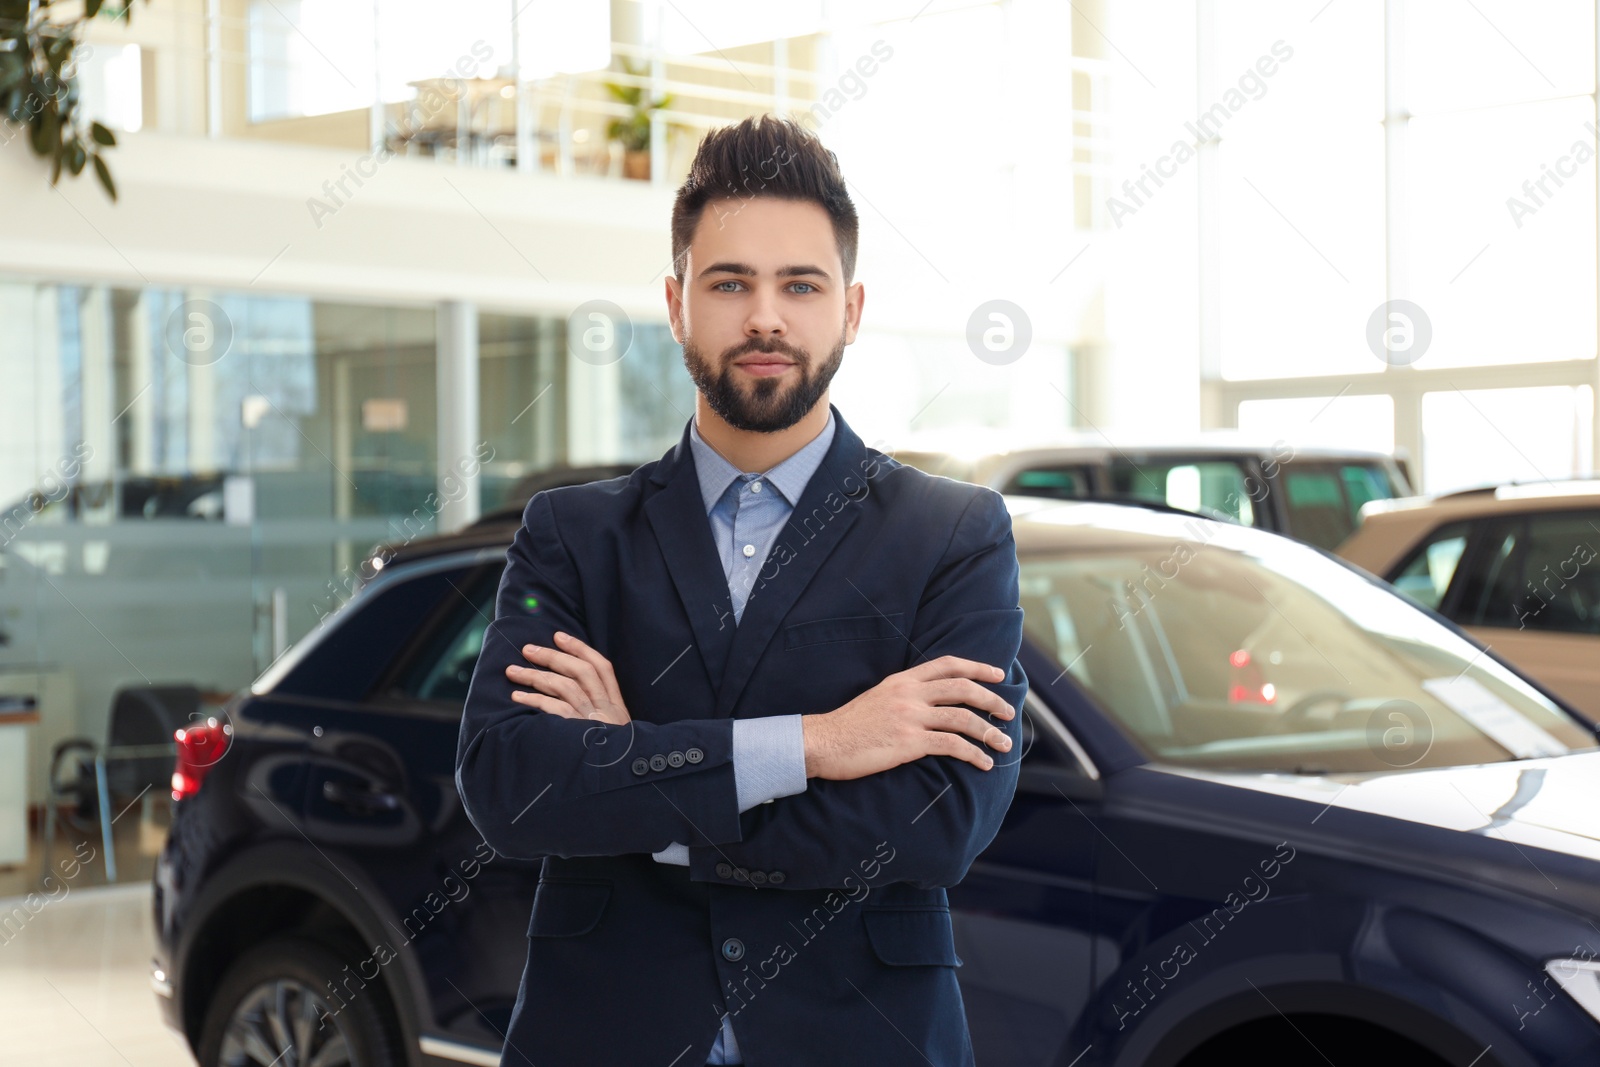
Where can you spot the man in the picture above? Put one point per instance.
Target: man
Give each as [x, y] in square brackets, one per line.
[756, 702]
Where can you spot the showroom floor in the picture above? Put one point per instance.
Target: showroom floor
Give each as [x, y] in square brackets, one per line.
[75, 957]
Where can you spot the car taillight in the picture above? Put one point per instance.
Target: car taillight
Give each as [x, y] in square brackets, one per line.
[199, 748]
[1247, 685]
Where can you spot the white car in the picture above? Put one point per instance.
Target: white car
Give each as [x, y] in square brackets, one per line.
[1516, 566]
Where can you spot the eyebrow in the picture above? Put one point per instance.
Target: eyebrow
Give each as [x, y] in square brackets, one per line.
[745, 269]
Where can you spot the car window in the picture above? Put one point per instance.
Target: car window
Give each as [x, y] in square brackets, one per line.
[1058, 482]
[1491, 578]
[1540, 572]
[439, 670]
[1324, 499]
[1427, 572]
[1266, 654]
[1364, 482]
[1210, 487]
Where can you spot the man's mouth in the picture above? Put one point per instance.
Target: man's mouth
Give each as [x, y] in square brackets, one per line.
[763, 363]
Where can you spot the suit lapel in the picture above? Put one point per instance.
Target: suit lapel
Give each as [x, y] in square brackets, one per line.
[824, 513]
[677, 514]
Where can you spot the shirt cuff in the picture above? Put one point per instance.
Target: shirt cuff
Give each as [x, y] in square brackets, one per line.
[673, 853]
[769, 759]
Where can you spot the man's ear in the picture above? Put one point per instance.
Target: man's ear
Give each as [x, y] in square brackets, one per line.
[675, 308]
[855, 299]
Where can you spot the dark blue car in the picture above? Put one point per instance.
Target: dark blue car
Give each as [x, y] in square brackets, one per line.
[1269, 812]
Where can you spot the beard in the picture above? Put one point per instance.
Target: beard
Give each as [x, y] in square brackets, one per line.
[763, 405]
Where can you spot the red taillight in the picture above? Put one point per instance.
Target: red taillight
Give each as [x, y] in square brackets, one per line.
[1247, 685]
[199, 748]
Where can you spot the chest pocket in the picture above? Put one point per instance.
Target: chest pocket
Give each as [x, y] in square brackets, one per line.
[845, 628]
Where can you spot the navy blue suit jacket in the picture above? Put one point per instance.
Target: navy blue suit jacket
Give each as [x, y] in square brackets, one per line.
[819, 919]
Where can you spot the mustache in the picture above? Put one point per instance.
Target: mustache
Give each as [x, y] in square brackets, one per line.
[772, 347]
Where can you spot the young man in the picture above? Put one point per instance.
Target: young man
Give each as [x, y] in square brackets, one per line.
[756, 703]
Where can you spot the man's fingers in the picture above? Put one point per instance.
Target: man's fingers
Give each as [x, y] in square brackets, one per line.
[956, 667]
[943, 743]
[570, 666]
[602, 666]
[544, 703]
[551, 684]
[955, 720]
[966, 691]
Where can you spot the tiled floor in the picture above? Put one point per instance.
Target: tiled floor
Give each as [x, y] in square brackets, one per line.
[75, 956]
[75, 981]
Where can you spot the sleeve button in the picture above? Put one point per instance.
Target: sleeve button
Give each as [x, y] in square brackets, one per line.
[775, 877]
[724, 870]
[674, 758]
[758, 877]
[641, 765]
[694, 755]
[658, 762]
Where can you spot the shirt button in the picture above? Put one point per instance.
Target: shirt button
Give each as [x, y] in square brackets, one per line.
[749, 550]
[733, 949]
[755, 487]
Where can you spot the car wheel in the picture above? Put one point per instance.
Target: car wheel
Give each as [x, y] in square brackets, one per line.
[274, 1008]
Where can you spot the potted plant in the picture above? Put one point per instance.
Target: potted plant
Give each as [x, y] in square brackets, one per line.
[634, 131]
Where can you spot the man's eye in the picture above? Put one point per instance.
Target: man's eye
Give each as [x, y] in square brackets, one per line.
[719, 286]
[808, 286]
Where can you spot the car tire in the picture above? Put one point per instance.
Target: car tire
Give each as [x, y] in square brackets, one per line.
[279, 992]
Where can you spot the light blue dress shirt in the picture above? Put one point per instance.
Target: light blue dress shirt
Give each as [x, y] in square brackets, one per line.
[747, 511]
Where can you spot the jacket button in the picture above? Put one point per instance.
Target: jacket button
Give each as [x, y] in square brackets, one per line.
[641, 765]
[694, 755]
[740, 874]
[724, 870]
[733, 949]
[658, 762]
[776, 877]
[674, 758]
[758, 877]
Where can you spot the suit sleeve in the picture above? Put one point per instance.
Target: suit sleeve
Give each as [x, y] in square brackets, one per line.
[537, 784]
[931, 816]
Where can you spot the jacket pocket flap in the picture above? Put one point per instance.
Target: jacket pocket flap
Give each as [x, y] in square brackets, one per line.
[907, 937]
[567, 909]
[844, 628]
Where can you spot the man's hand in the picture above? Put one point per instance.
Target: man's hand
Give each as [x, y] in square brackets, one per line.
[576, 684]
[907, 716]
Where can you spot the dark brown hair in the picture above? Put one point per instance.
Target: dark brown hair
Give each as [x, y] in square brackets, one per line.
[764, 156]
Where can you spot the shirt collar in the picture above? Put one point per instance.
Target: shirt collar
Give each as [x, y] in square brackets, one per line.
[789, 477]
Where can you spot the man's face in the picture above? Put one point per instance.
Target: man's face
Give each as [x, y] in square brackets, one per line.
[762, 312]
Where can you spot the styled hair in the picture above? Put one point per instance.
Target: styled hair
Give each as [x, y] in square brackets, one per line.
[764, 156]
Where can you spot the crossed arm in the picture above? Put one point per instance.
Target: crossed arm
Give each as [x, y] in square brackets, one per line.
[896, 768]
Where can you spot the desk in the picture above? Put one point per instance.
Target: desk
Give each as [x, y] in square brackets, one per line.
[16, 715]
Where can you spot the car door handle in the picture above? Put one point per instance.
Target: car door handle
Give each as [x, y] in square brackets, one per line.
[359, 799]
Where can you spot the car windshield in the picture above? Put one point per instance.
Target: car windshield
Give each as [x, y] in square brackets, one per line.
[1224, 647]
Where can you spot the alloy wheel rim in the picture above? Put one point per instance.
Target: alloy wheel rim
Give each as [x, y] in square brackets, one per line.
[283, 1022]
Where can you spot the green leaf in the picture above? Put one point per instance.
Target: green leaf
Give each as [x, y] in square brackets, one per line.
[101, 135]
[76, 157]
[91, 8]
[103, 172]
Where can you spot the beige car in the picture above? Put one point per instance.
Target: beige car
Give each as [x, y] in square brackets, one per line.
[1516, 566]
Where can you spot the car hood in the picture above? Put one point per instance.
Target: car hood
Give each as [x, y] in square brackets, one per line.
[1551, 803]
